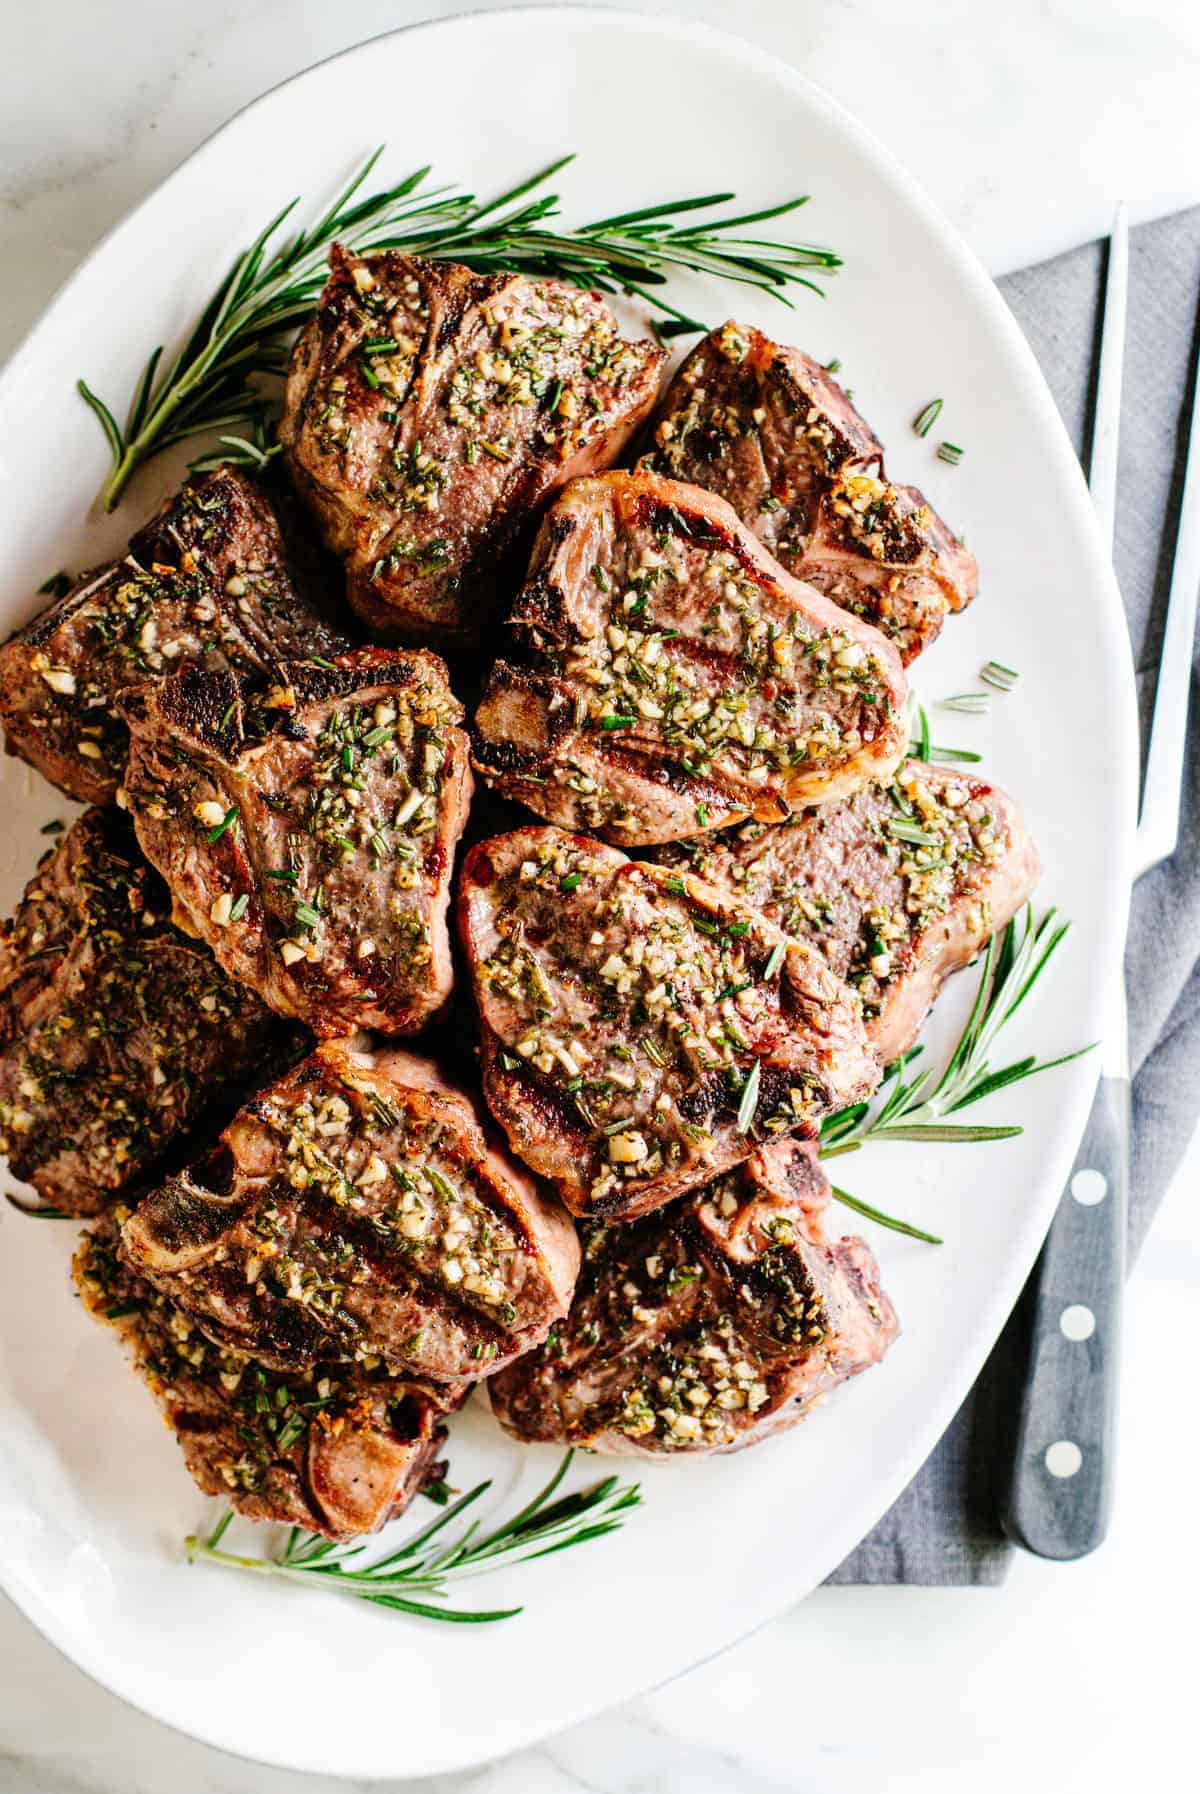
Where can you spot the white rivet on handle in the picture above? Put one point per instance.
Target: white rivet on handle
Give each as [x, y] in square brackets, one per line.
[1077, 1322]
[1063, 1458]
[1089, 1187]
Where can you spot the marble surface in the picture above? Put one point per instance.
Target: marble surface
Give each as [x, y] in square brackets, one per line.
[1025, 122]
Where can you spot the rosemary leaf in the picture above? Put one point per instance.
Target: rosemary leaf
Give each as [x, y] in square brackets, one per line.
[946, 1134]
[966, 755]
[749, 1102]
[918, 740]
[911, 833]
[971, 703]
[777, 956]
[998, 676]
[38, 1211]
[877, 1214]
[925, 419]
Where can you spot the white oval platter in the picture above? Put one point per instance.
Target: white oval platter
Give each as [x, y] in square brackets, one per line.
[94, 1500]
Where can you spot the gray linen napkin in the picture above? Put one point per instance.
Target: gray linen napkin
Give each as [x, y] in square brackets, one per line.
[943, 1529]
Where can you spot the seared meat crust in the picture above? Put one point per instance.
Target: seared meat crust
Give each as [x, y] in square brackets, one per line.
[308, 831]
[118, 1033]
[625, 1010]
[357, 1210]
[708, 1325]
[430, 411]
[668, 677]
[898, 886]
[336, 1448]
[771, 431]
[209, 580]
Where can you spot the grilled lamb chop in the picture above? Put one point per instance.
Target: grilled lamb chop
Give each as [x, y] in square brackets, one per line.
[772, 431]
[898, 885]
[357, 1210]
[430, 410]
[208, 580]
[337, 1449]
[307, 832]
[118, 1033]
[707, 1326]
[640, 1031]
[671, 678]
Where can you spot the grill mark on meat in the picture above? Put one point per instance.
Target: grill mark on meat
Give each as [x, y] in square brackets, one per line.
[336, 1449]
[770, 430]
[665, 677]
[210, 580]
[119, 1035]
[345, 787]
[368, 1217]
[708, 1325]
[893, 916]
[426, 461]
[638, 998]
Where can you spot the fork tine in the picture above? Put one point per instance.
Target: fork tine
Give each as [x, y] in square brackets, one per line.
[1106, 430]
[1158, 828]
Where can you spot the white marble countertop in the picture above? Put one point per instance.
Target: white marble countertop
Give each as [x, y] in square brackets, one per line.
[1025, 121]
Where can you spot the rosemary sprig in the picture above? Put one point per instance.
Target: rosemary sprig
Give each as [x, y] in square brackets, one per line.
[214, 385]
[918, 1108]
[418, 1568]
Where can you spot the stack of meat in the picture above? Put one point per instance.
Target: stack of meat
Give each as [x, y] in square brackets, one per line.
[315, 1242]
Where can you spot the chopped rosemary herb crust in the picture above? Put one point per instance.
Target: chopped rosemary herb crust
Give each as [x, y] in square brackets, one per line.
[207, 581]
[338, 1449]
[640, 1032]
[360, 1214]
[669, 677]
[307, 829]
[897, 885]
[430, 410]
[771, 431]
[707, 1325]
[118, 1033]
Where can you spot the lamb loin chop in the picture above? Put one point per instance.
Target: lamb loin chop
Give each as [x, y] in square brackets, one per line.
[118, 1033]
[337, 1448]
[307, 831]
[430, 411]
[898, 886]
[669, 677]
[772, 431]
[356, 1210]
[208, 580]
[641, 1032]
[708, 1325]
